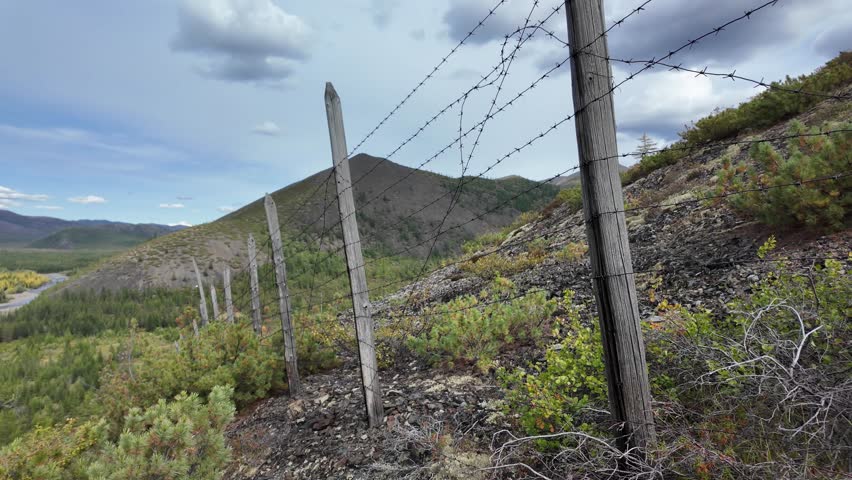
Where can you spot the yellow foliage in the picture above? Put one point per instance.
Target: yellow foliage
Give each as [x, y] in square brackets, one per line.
[20, 280]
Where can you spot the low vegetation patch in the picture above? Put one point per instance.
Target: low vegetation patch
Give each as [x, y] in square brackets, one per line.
[49, 261]
[781, 192]
[223, 354]
[763, 111]
[551, 396]
[181, 439]
[475, 329]
[759, 392]
[20, 281]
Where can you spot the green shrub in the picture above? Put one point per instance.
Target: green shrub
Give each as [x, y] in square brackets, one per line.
[572, 197]
[764, 110]
[45, 381]
[223, 354]
[460, 331]
[573, 252]
[523, 219]
[822, 205]
[749, 386]
[181, 440]
[319, 337]
[551, 396]
[52, 453]
[495, 265]
[483, 242]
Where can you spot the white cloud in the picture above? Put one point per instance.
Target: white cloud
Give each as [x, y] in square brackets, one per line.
[87, 139]
[270, 129]
[183, 223]
[661, 102]
[11, 195]
[48, 207]
[226, 209]
[88, 199]
[172, 205]
[249, 40]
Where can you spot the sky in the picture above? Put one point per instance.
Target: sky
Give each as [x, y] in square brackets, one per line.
[179, 111]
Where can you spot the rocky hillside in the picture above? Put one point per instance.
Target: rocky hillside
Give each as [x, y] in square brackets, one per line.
[446, 422]
[391, 218]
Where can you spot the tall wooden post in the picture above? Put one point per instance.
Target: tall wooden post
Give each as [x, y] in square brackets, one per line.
[214, 301]
[612, 266]
[229, 299]
[354, 259]
[293, 382]
[255, 287]
[202, 306]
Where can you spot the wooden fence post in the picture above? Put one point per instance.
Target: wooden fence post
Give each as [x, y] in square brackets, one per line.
[354, 259]
[229, 300]
[255, 287]
[202, 306]
[603, 205]
[214, 301]
[293, 383]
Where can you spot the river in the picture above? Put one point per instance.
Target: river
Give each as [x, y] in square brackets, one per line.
[18, 300]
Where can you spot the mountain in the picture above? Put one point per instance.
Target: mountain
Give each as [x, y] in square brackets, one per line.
[573, 180]
[47, 232]
[391, 219]
[101, 237]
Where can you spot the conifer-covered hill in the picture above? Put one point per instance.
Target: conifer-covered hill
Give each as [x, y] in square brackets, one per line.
[391, 218]
[47, 232]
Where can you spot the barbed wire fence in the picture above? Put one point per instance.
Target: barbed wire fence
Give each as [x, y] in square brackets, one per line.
[316, 207]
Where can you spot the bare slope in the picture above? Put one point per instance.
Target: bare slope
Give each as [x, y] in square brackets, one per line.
[693, 253]
[389, 201]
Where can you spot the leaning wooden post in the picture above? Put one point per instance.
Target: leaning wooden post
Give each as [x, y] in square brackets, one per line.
[293, 383]
[354, 259]
[202, 306]
[255, 287]
[214, 301]
[603, 205]
[229, 300]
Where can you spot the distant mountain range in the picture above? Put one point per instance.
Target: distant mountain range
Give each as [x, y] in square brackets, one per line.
[574, 179]
[47, 232]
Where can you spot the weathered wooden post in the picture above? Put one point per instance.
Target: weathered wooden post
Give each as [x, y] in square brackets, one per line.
[354, 259]
[202, 306]
[255, 287]
[609, 249]
[290, 360]
[214, 301]
[229, 300]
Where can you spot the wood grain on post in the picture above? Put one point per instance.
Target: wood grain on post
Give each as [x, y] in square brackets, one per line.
[229, 299]
[609, 249]
[293, 382]
[256, 320]
[202, 306]
[354, 259]
[214, 301]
